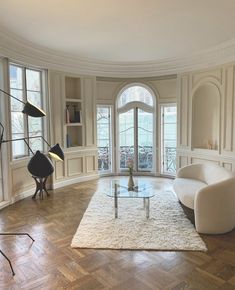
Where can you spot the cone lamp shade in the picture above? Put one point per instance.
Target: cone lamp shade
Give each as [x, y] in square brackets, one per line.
[29, 108]
[56, 153]
[40, 165]
[33, 111]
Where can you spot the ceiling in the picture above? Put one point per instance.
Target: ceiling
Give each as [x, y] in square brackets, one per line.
[121, 30]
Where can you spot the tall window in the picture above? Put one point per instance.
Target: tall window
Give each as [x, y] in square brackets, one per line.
[136, 128]
[104, 138]
[26, 85]
[169, 138]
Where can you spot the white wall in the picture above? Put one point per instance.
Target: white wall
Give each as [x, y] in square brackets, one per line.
[211, 93]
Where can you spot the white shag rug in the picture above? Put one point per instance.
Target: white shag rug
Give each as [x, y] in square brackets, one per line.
[166, 229]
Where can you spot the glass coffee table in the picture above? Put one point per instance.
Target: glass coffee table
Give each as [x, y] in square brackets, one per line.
[119, 189]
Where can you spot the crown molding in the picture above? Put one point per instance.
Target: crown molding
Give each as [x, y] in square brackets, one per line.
[20, 50]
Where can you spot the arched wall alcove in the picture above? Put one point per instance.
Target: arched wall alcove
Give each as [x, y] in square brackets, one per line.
[206, 117]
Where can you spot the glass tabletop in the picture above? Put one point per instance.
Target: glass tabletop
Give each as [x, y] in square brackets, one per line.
[140, 190]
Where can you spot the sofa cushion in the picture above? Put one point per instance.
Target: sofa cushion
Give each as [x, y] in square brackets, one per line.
[185, 188]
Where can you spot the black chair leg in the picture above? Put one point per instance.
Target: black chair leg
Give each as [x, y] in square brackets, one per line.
[13, 234]
[17, 234]
[13, 273]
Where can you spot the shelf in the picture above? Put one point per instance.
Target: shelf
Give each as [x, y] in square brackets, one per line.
[73, 124]
[73, 136]
[69, 100]
[72, 88]
[73, 127]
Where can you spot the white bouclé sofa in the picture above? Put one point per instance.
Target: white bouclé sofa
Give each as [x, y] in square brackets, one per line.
[209, 190]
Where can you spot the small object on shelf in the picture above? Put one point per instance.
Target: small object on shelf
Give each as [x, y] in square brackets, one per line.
[77, 116]
[67, 114]
[209, 145]
[74, 114]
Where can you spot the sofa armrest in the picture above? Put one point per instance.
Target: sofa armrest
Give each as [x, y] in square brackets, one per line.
[214, 207]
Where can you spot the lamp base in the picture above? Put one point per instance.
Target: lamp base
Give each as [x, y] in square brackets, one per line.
[40, 186]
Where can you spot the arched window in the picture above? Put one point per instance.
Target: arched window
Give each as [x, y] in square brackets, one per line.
[136, 109]
[135, 94]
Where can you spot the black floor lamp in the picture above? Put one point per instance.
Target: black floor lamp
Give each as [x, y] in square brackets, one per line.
[39, 165]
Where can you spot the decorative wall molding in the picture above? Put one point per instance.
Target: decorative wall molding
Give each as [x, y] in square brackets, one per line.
[20, 50]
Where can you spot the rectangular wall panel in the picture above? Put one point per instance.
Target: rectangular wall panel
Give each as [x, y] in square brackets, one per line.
[89, 111]
[21, 179]
[227, 166]
[202, 160]
[59, 170]
[56, 106]
[183, 161]
[228, 113]
[75, 166]
[184, 111]
[233, 120]
[90, 164]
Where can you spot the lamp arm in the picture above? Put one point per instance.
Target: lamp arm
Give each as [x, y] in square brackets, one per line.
[25, 138]
[43, 140]
[11, 96]
[28, 146]
[1, 137]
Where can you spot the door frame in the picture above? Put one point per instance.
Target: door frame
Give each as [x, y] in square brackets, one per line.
[135, 105]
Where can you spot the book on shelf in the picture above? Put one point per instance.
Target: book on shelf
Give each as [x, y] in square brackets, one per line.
[77, 116]
[67, 115]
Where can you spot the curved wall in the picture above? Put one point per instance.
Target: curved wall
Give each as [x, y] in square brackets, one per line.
[214, 119]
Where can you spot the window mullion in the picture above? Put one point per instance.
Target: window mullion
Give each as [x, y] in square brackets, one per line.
[42, 105]
[26, 124]
[136, 147]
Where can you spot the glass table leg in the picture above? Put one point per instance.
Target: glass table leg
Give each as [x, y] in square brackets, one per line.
[116, 202]
[147, 207]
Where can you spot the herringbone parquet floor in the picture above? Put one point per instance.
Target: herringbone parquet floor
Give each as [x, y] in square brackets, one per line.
[50, 263]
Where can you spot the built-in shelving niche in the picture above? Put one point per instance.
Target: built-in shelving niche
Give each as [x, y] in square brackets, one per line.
[206, 118]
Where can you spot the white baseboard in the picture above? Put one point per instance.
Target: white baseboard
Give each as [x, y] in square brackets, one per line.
[23, 195]
[4, 204]
[74, 180]
[56, 185]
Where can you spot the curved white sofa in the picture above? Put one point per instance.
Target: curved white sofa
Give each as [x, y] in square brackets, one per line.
[210, 190]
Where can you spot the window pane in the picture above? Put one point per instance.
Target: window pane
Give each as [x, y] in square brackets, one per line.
[126, 138]
[33, 80]
[170, 131]
[135, 93]
[18, 147]
[17, 123]
[36, 143]
[16, 105]
[145, 140]
[34, 98]
[104, 138]
[16, 77]
[169, 136]
[35, 125]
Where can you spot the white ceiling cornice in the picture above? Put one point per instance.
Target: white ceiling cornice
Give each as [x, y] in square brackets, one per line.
[18, 49]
